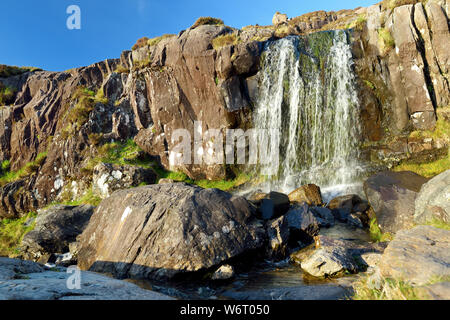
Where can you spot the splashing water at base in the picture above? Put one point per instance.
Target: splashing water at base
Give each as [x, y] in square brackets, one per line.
[307, 91]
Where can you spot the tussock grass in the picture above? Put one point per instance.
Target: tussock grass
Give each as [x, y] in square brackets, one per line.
[12, 232]
[387, 289]
[385, 40]
[207, 21]
[225, 40]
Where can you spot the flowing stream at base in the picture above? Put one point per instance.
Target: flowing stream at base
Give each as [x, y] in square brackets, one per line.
[307, 91]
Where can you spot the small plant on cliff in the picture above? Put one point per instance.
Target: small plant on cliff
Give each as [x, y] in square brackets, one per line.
[140, 43]
[392, 4]
[12, 232]
[225, 40]
[385, 40]
[7, 95]
[207, 21]
[121, 69]
[376, 234]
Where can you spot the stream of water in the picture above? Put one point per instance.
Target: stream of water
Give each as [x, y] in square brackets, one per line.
[307, 91]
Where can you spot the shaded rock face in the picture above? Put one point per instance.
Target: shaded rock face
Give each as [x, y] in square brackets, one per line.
[55, 229]
[160, 231]
[433, 200]
[392, 196]
[26, 280]
[270, 205]
[417, 255]
[108, 178]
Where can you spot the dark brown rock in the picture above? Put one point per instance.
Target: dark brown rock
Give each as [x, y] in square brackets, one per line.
[392, 196]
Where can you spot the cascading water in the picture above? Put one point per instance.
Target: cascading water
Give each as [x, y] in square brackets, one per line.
[307, 90]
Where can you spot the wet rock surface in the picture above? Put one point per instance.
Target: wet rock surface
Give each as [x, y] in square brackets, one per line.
[26, 280]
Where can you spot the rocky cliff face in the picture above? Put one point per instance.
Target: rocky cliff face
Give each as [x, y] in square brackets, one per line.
[59, 121]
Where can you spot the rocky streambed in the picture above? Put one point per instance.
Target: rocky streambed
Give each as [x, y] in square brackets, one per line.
[192, 243]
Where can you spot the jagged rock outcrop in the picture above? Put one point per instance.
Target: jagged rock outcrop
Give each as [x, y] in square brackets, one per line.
[401, 61]
[165, 230]
[108, 178]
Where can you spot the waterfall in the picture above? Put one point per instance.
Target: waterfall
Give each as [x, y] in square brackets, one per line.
[307, 90]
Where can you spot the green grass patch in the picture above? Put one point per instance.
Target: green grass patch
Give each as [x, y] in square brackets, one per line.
[12, 232]
[28, 169]
[207, 21]
[78, 115]
[442, 130]
[439, 224]
[389, 289]
[376, 234]
[428, 170]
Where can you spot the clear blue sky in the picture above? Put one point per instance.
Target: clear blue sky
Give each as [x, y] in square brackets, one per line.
[34, 33]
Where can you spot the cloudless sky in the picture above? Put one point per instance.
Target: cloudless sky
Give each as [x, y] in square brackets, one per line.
[34, 33]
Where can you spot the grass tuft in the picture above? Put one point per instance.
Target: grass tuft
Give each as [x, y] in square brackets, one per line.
[225, 40]
[27, 170]
[376, 234]
[207, 21]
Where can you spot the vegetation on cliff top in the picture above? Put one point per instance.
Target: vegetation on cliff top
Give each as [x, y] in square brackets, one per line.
[9, 71]
[225, 40]
[207, 21]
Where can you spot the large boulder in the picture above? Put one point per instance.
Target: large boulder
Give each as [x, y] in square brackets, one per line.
[418, 255]
[309, 193]
[270, 205]
[55, 229]
[161, 231]
[392, 196]
[433, 200]
[108, 178]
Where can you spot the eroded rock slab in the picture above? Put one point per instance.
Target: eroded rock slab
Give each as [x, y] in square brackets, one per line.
[417, 255]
